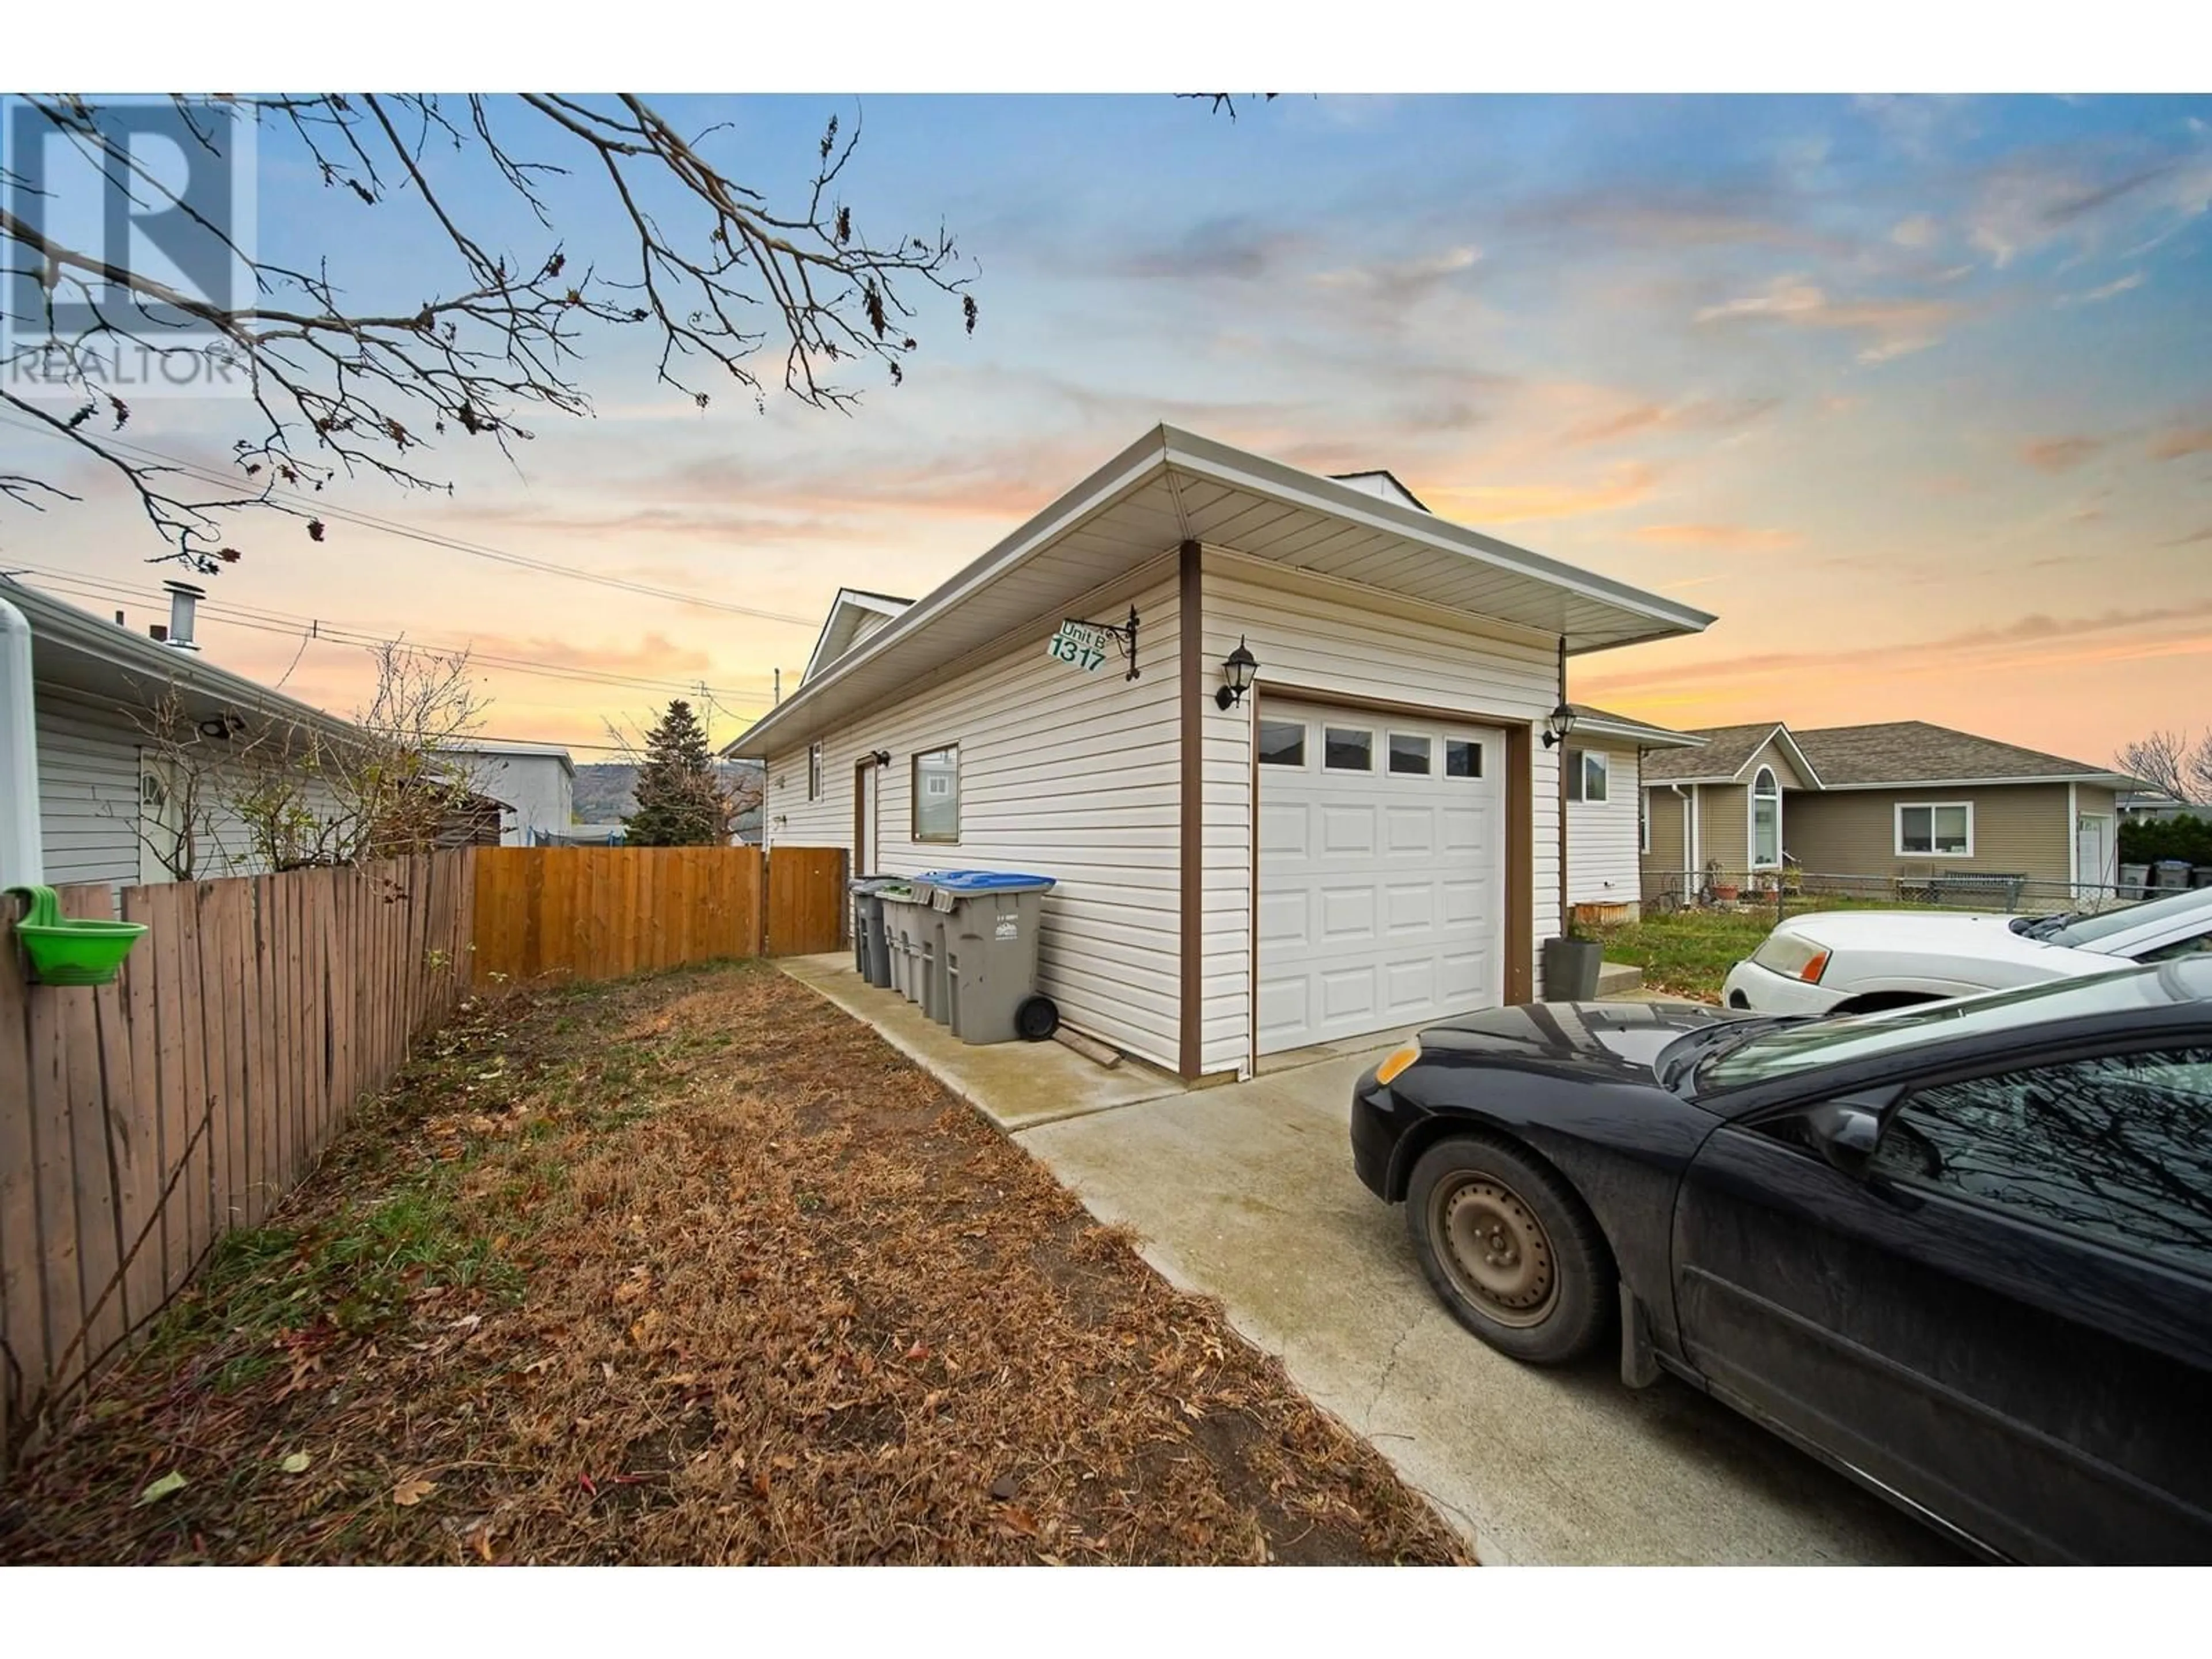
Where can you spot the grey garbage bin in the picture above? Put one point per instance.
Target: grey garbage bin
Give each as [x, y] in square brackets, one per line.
[871, 954]
[899, 904]
[2170, 875]
[988, 952]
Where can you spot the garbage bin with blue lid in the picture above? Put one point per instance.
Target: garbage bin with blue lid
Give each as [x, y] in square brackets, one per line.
[872, 955]
[989, 954]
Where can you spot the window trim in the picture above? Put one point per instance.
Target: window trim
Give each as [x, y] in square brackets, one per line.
[1577, 763]
[1752, 799]
[1896, 827]
[814, 771]
[913, 796]
[1366, 771]
[1643, 822]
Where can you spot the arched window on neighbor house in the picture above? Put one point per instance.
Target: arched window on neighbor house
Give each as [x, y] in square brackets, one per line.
[1766, 820]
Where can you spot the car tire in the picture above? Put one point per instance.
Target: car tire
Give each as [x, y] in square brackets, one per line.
[1516, 1255]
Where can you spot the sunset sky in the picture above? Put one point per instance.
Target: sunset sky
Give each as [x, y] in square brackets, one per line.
[1912, 393]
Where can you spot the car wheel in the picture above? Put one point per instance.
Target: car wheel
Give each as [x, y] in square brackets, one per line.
[1515, 1254]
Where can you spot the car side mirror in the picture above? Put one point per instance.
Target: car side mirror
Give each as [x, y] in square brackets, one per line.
[1846, 1131]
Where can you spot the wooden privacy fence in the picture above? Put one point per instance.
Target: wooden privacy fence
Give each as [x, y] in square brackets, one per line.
[141, 1120]
[587, 912]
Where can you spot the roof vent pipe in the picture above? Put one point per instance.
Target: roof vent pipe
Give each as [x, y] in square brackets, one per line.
[183, 605]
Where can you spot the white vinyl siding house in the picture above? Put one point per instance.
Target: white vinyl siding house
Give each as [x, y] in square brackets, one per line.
[1209, 909]
[1068, 773]
[1607, 804]
[97, 693]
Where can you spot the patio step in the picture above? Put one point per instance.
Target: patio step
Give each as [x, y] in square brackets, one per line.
[1614, 977]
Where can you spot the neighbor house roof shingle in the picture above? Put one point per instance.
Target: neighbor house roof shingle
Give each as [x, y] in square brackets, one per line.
[1727, 748]
[1914, 751]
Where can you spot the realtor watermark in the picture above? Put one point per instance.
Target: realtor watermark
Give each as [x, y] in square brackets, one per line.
[123, 244]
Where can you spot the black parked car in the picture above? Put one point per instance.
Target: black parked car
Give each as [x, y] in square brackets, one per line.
[1962, 1251]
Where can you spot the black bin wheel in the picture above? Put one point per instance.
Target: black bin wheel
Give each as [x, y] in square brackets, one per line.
[1038, 1018]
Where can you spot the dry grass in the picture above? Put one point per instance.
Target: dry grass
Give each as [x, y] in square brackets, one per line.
[694, 1269]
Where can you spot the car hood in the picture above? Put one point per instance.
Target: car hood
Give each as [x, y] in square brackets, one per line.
[1920, 932]
[1622, 1038]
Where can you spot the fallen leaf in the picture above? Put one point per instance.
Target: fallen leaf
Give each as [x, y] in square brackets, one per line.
[408, 1493]
[156, 1490]
[920, 1351]
[296, 1463]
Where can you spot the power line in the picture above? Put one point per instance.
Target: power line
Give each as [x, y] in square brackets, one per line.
[435, 539]
[337, 634]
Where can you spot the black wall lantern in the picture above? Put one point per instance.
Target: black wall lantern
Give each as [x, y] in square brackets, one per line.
[1236, 670]
[1560, 721]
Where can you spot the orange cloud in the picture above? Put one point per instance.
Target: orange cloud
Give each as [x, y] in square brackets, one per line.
[2179, 441]
[1489, 504]
[1893, 327]
[2059, 455]
[1730, 537]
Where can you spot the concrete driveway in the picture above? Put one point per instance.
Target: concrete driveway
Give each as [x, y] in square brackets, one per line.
[1246, 1192]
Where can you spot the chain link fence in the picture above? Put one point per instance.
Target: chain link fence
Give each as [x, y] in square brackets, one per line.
[1791, 891]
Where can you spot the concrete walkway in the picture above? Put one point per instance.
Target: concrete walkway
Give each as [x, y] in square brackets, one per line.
[1246, 1192]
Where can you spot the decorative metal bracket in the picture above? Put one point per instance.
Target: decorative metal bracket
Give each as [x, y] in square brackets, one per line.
[1125, 636]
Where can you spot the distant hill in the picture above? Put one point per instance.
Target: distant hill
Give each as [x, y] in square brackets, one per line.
[606, 791]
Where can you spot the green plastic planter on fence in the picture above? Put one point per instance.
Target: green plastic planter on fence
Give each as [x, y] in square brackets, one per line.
[70, 952]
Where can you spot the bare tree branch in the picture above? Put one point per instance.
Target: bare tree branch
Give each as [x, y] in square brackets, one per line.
[713, 268]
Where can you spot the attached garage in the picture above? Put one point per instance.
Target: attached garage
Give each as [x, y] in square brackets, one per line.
[1381, 871]
[1367, 837]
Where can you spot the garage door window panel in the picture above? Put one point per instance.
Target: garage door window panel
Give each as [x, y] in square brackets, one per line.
[1282, 743]
[1462, 759]
[1347, 749]
[1943, 830]
[1410, 755]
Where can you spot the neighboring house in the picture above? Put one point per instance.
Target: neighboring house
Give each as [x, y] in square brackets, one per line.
[536, 781]
[145, 747]
[2150, 806]
[1368, 839]
[1902, 799]
[584, 834]
[745, 831]
[1606, 826]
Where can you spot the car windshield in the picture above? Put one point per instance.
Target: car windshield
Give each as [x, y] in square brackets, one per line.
[2080, 929]
[1795, 1048]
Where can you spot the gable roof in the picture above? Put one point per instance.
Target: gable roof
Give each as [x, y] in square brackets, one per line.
[1599, 723]
[1915, 752]
[849, 613]
[1728, 754]
[1380, 481]
[1172, 486]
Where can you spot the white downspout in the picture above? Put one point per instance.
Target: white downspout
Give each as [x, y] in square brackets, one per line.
[23, 861]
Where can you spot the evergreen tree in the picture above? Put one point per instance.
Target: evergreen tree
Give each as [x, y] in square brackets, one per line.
[680, 802]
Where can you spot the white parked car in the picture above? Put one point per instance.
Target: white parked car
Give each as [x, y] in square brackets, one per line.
[1854, 962]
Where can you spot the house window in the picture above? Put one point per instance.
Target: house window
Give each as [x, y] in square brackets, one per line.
[814, 771]
[1587, 775]
[1409, 755]
[1462, 759]
[1347, 749]
[1766, 819]
[1282, 743]
[936, 794]
[1941, 829]
[1644, 821]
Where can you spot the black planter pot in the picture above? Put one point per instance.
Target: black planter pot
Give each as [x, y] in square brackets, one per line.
[1571, 968]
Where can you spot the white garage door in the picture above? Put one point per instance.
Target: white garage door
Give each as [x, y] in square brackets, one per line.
[1381, 871]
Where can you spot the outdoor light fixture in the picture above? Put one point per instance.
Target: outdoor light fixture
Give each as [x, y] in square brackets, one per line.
[221, 728]
[1560, 721]
[882, 757]
[1236, 670]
